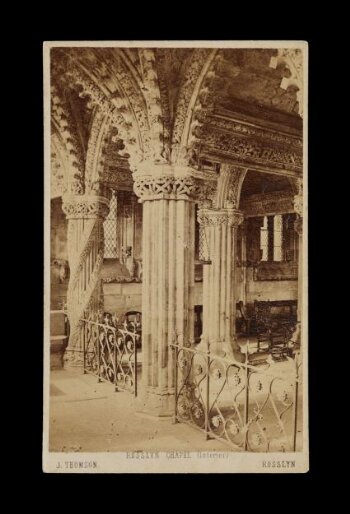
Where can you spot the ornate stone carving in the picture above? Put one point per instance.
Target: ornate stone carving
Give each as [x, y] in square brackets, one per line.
[59, 165]
[128, 94]
[276, 202]
[207, 193]
[265, 134]
[64, 124]
[108, 106]
[250, 151]
[193, 96]
[229, 186]
[204, 105]
[96, 151]
[85, 206]
[236, 180]
[298, 225]
[130, 91]
[298, 199]
[169, 187]
[215, 217]
[118, 179]
[160, 145]
[292, 58]
[193, 71]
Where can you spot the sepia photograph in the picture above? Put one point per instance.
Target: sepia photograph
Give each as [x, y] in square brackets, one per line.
[176, 287]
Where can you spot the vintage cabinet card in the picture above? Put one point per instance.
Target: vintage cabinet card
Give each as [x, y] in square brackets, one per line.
[176, 328]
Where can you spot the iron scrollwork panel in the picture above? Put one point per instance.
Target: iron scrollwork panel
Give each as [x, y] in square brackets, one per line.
[227, 402]
[247, 407]
[191, 387]
[110, 353]
[126, 361]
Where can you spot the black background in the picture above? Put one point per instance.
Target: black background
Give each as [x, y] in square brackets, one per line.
[167, 21]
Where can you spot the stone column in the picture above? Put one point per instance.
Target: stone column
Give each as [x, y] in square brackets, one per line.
[85, 214]
[219, 300]
[244, 259]
[168, 282]
[298, 226]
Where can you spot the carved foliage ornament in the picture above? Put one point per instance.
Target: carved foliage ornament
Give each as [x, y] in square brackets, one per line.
[147, 188]
[251, 151]
[86, 207]
[64, 124]
[255, 132]
[190, 79]
[261, 204]
[117, 116]
[212, 217]
[194, 102]
[154, 105]
[298, 199]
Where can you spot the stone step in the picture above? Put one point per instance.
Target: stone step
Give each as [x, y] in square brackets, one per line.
[58, 344]
[57, 323]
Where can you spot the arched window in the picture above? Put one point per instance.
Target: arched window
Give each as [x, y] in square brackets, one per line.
[110, 230]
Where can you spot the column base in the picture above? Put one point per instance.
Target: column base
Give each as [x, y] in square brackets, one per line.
[227, 350]
[73, 359]
[156, 404]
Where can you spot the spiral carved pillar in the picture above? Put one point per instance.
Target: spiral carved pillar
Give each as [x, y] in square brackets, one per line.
[219, 300]
[85, 216]
[168, 283]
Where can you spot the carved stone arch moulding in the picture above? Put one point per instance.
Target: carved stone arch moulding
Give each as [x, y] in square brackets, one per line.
[59, 165]
[131, 96]
[152, 93]
[193, 102]
[115, 106]
[96, 152]
[230, 185]
[124, 85]
[63, 123]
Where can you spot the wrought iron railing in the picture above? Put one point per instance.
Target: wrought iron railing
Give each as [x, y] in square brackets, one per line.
[110, 353]
[250, 408]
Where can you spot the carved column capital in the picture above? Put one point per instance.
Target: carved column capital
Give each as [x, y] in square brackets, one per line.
[167, 187]
[85, 206]
[216, 217]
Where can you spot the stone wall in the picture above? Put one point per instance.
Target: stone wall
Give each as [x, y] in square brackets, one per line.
[264, 290]
[119, 298]
[270, 289]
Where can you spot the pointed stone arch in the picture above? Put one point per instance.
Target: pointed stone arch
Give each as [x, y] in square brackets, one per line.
[59, 164]
[192, 102]
[64, 130]
[229, 186]
[95, 155]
